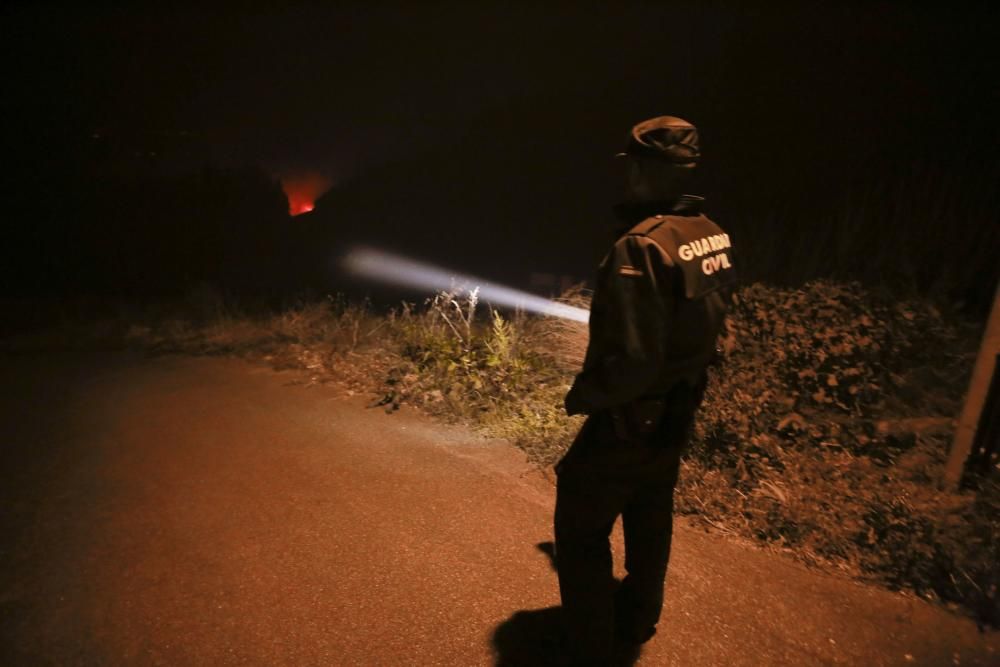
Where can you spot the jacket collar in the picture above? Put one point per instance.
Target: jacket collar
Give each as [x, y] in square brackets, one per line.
[687, 205]
[633, 213]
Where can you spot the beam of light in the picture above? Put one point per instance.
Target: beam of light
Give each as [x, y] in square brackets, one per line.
[393, 269]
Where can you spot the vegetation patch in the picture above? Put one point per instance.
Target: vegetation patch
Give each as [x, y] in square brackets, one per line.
[826, 432]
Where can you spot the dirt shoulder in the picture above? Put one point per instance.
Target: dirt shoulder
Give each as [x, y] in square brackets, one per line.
[212, 511]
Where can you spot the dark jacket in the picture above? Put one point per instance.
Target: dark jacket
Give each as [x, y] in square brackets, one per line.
[658, 306]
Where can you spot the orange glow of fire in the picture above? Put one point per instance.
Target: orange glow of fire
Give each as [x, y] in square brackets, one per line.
[302, 191]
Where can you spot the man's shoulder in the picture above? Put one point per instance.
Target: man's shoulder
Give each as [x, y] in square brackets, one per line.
[671, 231]
[647, 225]
[654, 222]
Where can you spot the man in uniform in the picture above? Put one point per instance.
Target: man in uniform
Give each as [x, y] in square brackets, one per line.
[658, 307]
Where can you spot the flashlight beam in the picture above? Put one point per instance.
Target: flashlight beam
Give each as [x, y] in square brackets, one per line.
[388, 268]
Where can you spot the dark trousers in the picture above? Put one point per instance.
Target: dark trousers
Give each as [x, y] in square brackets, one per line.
[600, 478]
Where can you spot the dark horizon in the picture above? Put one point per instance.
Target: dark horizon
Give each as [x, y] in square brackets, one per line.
[481, 137]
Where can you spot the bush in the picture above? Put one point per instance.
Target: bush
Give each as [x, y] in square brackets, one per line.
[492, 371]
[826, 431]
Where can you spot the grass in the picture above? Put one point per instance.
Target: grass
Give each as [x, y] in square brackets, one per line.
[824, 432]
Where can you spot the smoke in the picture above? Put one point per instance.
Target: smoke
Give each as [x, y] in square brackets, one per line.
[396, 270]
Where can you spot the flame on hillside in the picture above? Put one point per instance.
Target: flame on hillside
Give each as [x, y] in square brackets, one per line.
[303, 189]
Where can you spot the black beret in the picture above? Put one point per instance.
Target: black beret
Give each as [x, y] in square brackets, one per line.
[665, 137]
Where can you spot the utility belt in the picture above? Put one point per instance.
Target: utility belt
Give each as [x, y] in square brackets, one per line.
[669, 416]
[638, 419]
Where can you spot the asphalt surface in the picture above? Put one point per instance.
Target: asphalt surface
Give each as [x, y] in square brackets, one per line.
[182, 511]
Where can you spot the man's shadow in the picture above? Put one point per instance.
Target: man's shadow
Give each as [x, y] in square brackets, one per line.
[534, 637]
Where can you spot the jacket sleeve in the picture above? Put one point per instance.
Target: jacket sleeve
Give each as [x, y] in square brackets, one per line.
[633, 304]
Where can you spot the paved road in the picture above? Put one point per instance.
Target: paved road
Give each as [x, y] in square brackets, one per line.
[211, 512]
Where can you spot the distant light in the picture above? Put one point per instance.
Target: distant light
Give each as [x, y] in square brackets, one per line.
[302, 189]
[393, 269]
[298, 207]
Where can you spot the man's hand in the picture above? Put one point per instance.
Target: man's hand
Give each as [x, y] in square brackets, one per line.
[572, 402]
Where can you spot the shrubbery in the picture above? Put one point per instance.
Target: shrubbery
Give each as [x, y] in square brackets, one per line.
[826, 432]
[472, 367]
[494, 371]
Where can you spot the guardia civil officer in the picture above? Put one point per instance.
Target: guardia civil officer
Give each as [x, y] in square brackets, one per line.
[659, 304]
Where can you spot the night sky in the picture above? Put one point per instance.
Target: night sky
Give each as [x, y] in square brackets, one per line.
[481, 135]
